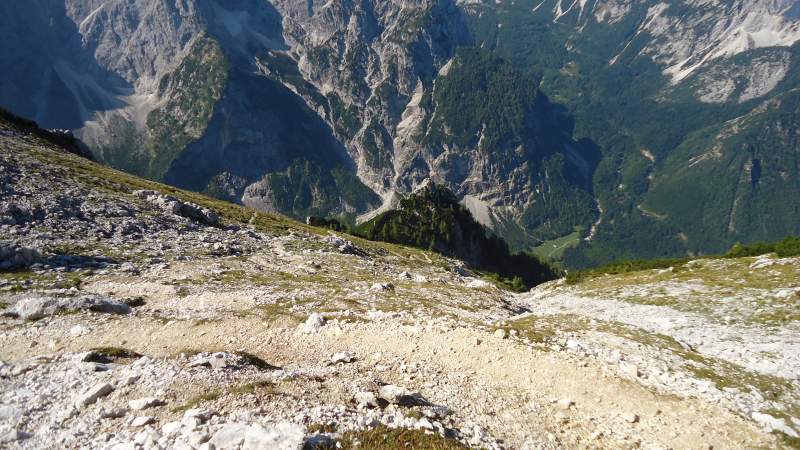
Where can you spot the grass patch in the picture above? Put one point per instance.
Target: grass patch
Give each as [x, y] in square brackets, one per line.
[116, 353]
[327, 428]
[384, 438]
[257, 387]
[266, 387]
[542, 330]
[554, 250]
[788, 247]
[414, 414]
[786, 440]
[197, 400]
[625, 267]
[106, 355]
[23, 281]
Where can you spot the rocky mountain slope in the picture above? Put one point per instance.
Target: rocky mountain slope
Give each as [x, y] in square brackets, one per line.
[136, 315]
[656, 85]
[574, 124]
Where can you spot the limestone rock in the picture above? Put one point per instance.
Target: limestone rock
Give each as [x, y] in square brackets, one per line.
[35, 307]
[142, 421]
[343, 357]
[145, 403]
[314, 323]
[565, 403]
[284, 436]
[93, 394]
[14, 256]
[501, 333]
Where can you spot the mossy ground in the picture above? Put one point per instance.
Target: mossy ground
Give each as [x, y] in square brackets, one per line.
[383, 438]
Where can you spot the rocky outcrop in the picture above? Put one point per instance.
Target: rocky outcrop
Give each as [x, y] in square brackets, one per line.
[172, 205]
[37, 307]
[14, 256]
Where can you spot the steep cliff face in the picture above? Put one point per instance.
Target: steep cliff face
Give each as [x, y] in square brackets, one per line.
[369, 58]
[179, 91]
[280, 104]
[395, 87]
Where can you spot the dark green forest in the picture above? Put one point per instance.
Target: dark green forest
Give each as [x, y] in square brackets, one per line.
[433, 219]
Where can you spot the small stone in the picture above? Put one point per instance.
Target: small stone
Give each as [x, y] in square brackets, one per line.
[319, 442]
[424, 424]
[314, 323]
[170, 428]
[124, 446]
[78, 330]
[565, 404]
[191, 422]
[285, 436]
[14, 436]
[145, 403]
[342, 357]
[113, 413]
[142, 421]
[501, 333]
[198, 413]
[147, 438]
[774, 423]
[93, 394]
[631, 370]
[437, 412]
[366, 399]
[629, 417]
[231, 435]
[380, 287]
[130, 380]
[10, 412]
[129, 267]
[394, 394]
[196, 436]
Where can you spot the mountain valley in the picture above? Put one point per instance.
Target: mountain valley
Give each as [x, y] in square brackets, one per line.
[136, 315]
[394, 224]
[547, 120]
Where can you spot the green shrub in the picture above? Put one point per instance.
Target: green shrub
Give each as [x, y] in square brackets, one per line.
[789, 246]
[384, 438]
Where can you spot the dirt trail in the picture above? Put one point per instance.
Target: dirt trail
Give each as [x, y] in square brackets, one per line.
[501, 385]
